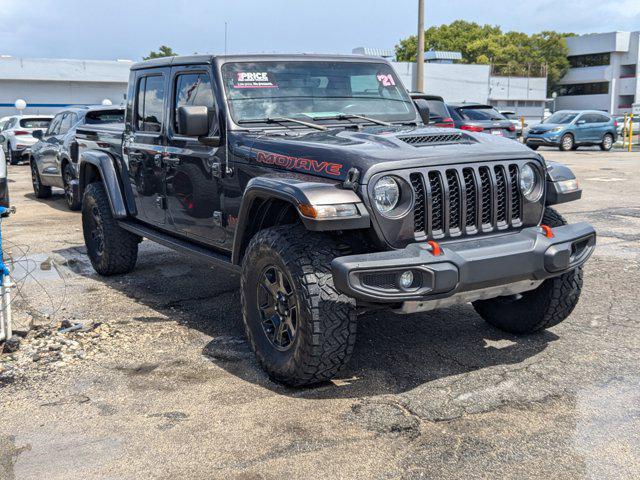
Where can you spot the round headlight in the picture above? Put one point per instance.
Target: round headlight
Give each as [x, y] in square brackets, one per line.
[386, 194]
[529, 181]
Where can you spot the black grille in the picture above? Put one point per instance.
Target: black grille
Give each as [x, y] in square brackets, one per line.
[379, 280]
[516, 203]
[487, 197]
[436, 139]
[501, 194]
[418, 211]
[437, 202]
[470, 200]
[453, 202]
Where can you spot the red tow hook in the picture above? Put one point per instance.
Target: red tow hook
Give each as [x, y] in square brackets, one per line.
[436, 251]
[547, 231]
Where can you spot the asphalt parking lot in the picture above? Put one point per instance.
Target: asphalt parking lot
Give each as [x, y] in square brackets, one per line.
[170, 389]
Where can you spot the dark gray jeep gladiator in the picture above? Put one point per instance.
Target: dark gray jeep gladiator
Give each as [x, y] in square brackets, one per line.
[317, 180]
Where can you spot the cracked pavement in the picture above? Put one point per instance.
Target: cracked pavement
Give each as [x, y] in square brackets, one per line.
[177, 394]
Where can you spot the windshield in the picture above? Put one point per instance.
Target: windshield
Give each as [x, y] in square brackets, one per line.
[561, 118]
[315, 91]
[35, 123]
[487, 113]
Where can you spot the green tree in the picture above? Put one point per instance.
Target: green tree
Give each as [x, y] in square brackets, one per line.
[510, 53]
[163, 51]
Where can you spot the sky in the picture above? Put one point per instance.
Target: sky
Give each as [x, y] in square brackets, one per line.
[130, 29]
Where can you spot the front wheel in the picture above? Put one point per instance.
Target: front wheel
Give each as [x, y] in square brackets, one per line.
[40, 190]
[111, 249]
[74, 202]
[300, 327]
[567, 142]
[539, 309]
[607, 142]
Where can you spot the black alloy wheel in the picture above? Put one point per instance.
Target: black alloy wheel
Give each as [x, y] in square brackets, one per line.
[278, 308]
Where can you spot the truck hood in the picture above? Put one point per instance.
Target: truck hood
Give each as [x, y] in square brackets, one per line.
[333, 153]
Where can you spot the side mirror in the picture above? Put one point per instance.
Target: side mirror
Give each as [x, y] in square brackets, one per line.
[193, 121]
[423, 109]
[39, 134]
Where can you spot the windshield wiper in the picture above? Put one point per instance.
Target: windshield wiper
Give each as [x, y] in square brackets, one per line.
[347, 116]
[282, 120]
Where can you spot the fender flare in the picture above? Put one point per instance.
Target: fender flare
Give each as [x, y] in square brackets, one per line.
[296, 193]
[104, 164]
[557, 172]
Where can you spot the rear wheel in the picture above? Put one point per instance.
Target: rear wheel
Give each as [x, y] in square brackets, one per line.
[607, 142]
[41, 191]
[12, 157]
[539, 309]
[111, 249]
[74, 202]
[567, 142]
[300, 327]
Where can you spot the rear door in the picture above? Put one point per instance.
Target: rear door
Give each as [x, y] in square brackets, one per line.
[584, 124]
[192, 169]
[46, 151]
[144, 145]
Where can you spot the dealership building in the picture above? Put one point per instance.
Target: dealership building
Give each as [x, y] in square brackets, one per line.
[458, 82]
[47, 85]
[603, 73]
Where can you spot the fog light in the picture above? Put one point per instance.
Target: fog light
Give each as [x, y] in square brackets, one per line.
[406, 279]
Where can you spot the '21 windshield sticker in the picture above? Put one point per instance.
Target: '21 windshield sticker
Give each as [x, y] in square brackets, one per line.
[254, 80]
[386, 80]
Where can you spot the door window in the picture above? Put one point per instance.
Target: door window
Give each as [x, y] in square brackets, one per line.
[150, 104]
[54, 126]
[66, 123]
[193, 89]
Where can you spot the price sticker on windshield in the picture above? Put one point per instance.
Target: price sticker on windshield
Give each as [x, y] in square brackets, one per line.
[254, 80]
[386, 80]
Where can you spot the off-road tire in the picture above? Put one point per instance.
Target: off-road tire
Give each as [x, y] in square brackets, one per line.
[533, 146]
[40, 190]
[119, 251]
[539, 309]
[74, 201]
[565, 146]
[607, 142]
[326, 330]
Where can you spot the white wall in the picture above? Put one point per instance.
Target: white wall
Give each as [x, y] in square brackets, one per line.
[518, 88]
[584, 102]
[48, 97]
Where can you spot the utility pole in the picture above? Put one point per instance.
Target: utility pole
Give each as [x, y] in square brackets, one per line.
[420, 57]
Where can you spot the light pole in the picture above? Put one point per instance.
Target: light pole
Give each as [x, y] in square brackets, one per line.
[420, 56]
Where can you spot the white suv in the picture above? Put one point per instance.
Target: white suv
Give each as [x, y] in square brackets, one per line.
[17, 133]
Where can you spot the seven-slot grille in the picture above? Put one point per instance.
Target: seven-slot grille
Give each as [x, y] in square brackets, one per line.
[450, 202]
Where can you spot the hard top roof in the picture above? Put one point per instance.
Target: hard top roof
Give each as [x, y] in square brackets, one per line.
[210, 59]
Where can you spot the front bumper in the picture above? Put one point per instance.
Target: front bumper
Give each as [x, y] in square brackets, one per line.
[545, 140]
[470, 269]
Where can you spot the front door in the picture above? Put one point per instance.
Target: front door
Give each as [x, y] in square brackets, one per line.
[144, 146]
[193, 169]
[49, 146]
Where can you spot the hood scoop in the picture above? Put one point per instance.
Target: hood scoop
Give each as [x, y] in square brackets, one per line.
[425, 140]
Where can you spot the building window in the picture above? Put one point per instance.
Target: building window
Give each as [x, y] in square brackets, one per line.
[598, 88]
[591, 60]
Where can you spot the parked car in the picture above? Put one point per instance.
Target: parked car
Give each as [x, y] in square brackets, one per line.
[4, 185]
[54, 157]
[439, 115]
[624, 124]
[475, 117]
[314, 178]
[570, 129]
[18, 136]
[513, 118]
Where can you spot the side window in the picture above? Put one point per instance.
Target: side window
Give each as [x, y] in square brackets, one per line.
[150, 104]
[603, 119]
[193, 89]
[66, 123]
[54, 126]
